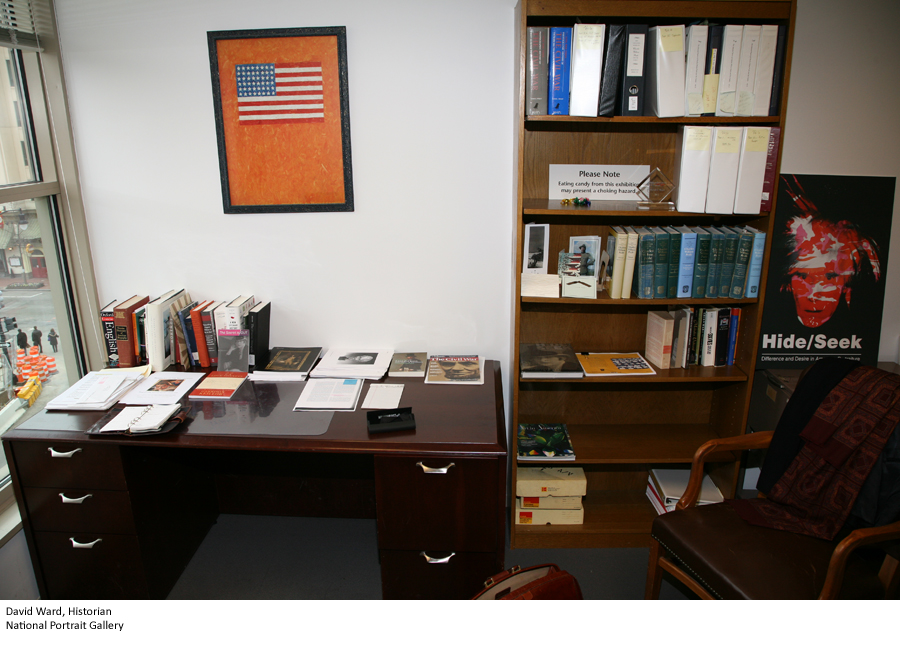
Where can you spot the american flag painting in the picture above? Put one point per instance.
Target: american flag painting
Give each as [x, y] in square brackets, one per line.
[280, 93]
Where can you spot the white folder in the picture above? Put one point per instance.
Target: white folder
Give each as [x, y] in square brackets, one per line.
[723, 168]
[665, 71]
[751, 170]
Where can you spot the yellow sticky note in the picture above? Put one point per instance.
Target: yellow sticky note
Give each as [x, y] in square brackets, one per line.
[672, 38]
[698, 138]
[728, 141]
[757, 139]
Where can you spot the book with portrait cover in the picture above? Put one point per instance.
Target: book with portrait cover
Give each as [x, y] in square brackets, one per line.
[543, 442]
[218, 385]
[549, 361]
[408, 364]
[460, 369]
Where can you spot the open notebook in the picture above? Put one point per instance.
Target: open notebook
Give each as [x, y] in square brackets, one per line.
[136, 419]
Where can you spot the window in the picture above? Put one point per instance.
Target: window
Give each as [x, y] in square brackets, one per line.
[48, 304]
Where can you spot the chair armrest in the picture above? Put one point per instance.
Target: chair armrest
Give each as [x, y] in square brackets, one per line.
[856, 539]
[755, 440]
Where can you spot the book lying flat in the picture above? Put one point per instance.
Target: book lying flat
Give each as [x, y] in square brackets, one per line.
[455, 369]
[602, 364]
[330, 394]
[544, 442]
[219, 384]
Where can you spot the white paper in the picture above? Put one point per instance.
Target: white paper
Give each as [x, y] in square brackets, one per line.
[162, 388]
[331, 394]
[540, 286]
[141, 418]
[383, 396]
[96, 391]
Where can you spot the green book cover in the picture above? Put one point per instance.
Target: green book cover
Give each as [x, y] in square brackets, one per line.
[660, 263]
[728, 260]
[741, 263]
[701, 262]
[674, 262]
[643, 273]
[716, 250]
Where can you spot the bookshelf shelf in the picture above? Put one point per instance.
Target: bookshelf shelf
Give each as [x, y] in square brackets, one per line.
[621, 427]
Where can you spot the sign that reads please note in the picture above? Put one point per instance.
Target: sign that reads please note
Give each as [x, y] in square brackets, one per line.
[596, 182]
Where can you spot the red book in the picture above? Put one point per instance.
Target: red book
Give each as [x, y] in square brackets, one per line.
[125, 334]
[218, 384]
[199, 336]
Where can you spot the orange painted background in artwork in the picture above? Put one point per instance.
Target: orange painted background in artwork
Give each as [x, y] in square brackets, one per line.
[282, 164]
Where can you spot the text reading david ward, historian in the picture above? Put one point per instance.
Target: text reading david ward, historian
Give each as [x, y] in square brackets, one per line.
[53, 618]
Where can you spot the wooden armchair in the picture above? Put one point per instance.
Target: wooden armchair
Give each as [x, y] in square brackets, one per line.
[719, 555]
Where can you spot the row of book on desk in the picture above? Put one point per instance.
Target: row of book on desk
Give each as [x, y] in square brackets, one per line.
[598, 70]
[555, 494]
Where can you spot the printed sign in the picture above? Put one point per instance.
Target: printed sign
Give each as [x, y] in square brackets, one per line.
[596, 182]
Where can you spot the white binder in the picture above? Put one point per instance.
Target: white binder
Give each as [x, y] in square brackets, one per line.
[695, 69]
[587, 61]
[751, 170]
[765, 69]
[665, 71]
[692, 155]
[723, 169]
[746, 84]
[730, 55]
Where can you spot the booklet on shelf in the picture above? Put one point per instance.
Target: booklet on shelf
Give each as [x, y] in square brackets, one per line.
[603, 364]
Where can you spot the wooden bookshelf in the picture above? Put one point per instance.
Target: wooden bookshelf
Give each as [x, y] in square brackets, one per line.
[623, 427]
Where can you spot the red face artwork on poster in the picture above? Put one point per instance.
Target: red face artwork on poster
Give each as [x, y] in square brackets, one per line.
[826, 256]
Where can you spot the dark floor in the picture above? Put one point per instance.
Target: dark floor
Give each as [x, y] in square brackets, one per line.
[254, 557]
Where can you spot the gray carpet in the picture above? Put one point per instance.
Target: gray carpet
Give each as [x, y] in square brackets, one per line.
[255, 557]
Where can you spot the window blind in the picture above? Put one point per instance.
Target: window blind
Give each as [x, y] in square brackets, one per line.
[17, 25]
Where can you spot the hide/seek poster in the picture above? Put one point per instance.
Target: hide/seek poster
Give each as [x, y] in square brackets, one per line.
[826, 270]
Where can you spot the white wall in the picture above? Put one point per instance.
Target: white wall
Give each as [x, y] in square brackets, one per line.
[424, 261]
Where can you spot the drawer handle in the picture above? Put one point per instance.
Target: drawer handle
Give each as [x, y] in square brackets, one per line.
[62, 454]
[88, 545]
[66, 499]
[435, 470]
[436, 560]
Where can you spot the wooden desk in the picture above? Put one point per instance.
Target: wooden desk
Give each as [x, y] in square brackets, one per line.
[120, 517]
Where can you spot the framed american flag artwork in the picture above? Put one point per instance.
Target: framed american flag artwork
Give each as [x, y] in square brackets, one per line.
[282, 119]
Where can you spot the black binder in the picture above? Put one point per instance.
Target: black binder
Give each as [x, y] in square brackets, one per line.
[631, 90]
[713, 56]
[612, 70]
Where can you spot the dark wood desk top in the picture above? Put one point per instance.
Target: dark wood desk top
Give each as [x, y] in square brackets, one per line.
[449, 419]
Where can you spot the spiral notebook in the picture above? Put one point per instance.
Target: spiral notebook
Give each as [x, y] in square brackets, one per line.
[135, 419]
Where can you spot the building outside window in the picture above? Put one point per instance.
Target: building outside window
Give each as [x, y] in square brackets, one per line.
[48, 304]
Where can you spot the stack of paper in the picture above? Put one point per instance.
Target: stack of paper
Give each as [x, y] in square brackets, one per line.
[362, 363]
[96, 391]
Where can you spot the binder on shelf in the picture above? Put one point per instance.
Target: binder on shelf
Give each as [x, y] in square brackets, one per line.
[686, 262]
[587, 68]
[730, 55]
[692, 155]
[665, 71]
[695, 69]
[746, 83]
[632, 87]
[536, 83]
[751, 170]
[711, 74]
[723, 169]
[558, 71]
[778, 71]
[612, 70]
[765, 69]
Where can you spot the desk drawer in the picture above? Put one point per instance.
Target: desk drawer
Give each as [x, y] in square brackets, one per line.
[111, 568]
[408, 575]
[79, 511]
[450, 503]
[69, 465]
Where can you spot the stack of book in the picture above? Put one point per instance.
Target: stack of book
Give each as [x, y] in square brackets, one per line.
[665, 487]
[593, 70]
[550, 495]
[359, 363]
[693, 336]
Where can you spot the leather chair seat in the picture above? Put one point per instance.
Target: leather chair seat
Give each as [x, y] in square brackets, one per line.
[740, 560]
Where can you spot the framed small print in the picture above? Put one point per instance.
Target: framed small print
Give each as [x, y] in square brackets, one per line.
[537, 241]
[282, 119]
[589, 249]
